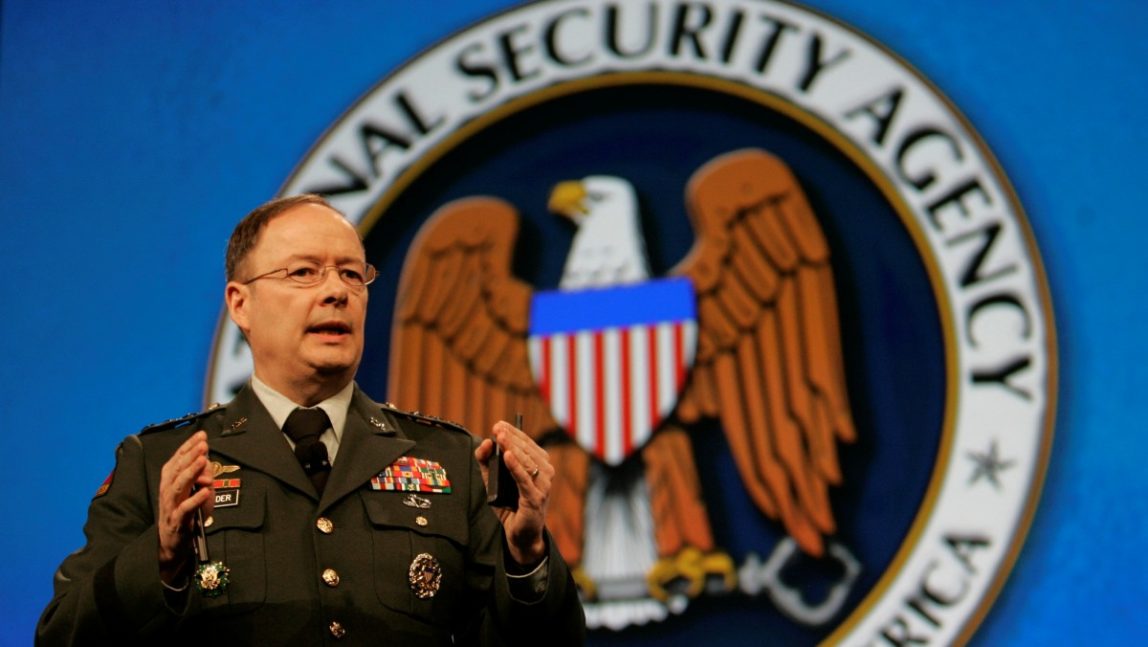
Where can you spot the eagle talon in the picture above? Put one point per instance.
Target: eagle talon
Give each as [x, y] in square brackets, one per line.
[720, 569]
[688, 572]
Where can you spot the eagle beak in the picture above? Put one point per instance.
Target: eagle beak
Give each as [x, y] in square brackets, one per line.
[568, 199]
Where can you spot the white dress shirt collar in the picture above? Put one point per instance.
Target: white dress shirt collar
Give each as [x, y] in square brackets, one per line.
[336, 407]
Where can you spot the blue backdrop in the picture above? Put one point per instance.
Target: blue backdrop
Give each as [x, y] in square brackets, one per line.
[134, 134]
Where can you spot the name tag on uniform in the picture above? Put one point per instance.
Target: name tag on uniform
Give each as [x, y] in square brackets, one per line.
[226, 492]
[410, 474]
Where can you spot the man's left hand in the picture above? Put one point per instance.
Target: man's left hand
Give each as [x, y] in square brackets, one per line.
[531, 468]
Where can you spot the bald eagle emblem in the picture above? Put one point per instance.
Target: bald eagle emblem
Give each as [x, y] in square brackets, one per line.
[614, 370]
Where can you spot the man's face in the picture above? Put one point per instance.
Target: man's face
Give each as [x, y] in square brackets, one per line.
[301, 335]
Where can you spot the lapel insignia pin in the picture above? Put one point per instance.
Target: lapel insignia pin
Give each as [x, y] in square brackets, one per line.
[375, 422]
[425, 576]
[237, 424]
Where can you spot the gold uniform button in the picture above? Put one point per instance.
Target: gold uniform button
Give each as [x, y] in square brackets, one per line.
[331, 577]
[421, 520]
[336, 628]
[325, 525]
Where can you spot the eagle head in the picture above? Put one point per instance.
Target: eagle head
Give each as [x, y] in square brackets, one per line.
[608, 248]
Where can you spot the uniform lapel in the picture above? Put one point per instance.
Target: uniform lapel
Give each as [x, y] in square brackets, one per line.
[371, 441]
[252, 439]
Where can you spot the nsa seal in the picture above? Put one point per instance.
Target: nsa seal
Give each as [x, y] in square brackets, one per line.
[761, 291]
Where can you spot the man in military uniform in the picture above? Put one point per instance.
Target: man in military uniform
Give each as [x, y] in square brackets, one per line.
[302, 512]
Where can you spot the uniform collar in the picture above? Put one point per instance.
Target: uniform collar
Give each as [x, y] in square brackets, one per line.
[280, 406]
[372, 440]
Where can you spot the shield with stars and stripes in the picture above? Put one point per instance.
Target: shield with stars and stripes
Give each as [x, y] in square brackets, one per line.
[611, 362]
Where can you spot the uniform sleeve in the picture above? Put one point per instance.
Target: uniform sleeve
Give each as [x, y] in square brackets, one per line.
[551, 616]
[110, 589]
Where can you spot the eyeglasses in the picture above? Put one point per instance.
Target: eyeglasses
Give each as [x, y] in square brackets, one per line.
[307, 273]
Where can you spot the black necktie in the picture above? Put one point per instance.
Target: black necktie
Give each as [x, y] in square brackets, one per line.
[304, 426]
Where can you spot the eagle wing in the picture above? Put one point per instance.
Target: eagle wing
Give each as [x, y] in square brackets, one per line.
[459, 339]
[769, 362]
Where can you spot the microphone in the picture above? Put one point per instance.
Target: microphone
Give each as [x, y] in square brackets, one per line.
[501, 488]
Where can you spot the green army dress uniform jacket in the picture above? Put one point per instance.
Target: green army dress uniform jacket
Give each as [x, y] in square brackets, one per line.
[303, 569]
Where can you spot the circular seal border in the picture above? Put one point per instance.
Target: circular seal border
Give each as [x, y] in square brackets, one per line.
[404, 98]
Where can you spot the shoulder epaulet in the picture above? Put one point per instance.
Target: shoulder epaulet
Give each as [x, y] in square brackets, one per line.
[425, 419]
[176, 423]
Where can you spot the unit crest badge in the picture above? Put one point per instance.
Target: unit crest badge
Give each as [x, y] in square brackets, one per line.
[761, 291]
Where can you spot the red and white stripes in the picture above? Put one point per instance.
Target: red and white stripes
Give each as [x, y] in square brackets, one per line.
[611, 388]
